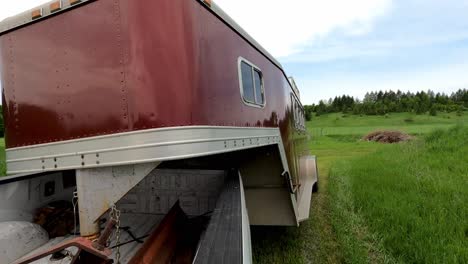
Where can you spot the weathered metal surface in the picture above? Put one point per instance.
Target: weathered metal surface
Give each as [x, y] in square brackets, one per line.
[265, 185]
[196, 190]
[222, 241]
[308, 177]
[140, 225]
[20, 197]
[19, 238]
[98, 189]
[162, 244]
[101, 243]
[86, 254]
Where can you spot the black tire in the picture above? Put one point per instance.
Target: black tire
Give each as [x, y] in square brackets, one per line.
[315, 188]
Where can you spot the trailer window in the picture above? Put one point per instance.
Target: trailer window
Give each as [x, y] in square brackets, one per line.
[259, 97]
[251, 82]
[298, 114]
[247, 83]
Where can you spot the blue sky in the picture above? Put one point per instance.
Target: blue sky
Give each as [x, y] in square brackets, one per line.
[339, 47]
[401, 44]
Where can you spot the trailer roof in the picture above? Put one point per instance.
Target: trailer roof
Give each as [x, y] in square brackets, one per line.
[46, 10]
[233, 24]
[50, 8]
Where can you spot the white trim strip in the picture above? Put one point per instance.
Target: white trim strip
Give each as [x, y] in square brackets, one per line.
[138, 147]
[26, 18]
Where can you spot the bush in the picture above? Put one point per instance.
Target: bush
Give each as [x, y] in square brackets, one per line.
[433, 111]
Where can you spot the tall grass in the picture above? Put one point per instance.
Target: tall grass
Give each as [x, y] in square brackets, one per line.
[405, 203]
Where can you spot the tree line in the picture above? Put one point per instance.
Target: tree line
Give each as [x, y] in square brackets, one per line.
[383, 102]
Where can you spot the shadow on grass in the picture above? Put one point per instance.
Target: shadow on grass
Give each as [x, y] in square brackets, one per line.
[276, 244]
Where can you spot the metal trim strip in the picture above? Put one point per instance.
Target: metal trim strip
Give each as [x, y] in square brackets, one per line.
[139, 147]
[25, 18]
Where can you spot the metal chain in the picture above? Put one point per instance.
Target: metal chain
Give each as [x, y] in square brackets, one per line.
[115, 215]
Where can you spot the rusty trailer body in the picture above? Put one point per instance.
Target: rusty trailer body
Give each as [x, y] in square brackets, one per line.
[102, 97]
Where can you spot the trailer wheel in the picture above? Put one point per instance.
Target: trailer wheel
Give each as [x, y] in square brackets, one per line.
[316, 186]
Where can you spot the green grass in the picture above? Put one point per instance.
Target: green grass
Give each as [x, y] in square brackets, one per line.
[405, 203]
[326, 237]
[345, 124]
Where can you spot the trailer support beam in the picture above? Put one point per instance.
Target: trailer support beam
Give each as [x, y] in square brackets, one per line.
[99, 188]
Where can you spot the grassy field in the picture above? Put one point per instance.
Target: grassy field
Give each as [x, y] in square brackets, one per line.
[331, 235]
[405, 203]
[342, 124]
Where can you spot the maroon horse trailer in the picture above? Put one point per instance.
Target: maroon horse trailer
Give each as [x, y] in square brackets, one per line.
[145, 131]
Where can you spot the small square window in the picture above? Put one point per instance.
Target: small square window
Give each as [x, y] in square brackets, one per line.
[251, 82]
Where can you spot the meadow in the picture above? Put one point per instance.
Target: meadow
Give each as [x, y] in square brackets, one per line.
[340, 230]
[405, 203]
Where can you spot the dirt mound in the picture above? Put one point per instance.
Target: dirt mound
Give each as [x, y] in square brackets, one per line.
[387, 136]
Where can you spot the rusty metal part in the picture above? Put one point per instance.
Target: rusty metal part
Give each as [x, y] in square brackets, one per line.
[162, 244]
[101, 243]
[92, 237]
[86, 253]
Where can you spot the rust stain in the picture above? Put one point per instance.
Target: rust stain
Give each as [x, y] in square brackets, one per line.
[72, 2]
[55, 6]
[36, 13]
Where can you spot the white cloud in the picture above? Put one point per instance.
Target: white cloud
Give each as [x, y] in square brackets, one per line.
[13, 7]
[286, 27]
